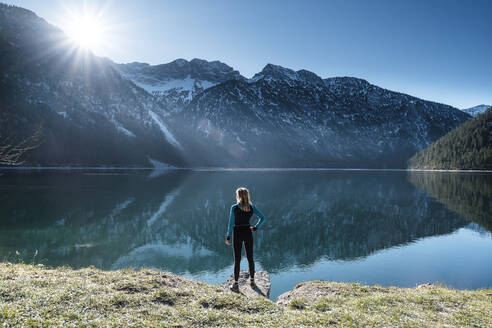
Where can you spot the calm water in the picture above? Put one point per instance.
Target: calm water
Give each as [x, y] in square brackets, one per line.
[374, 227]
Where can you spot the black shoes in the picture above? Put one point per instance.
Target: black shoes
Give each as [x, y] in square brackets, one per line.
[235, 287]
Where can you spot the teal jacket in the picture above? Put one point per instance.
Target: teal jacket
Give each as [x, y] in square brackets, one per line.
[232, 219]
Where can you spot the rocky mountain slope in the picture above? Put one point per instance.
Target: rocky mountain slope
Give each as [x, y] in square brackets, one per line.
[90, 114]
[467, 147]
[176, 83]
[475, 110]
[199, 113]
[282, 117]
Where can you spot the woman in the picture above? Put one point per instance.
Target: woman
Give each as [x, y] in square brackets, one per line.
[241, 213]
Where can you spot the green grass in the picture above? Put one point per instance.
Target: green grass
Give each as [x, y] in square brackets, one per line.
[298, 303]
[37, 296]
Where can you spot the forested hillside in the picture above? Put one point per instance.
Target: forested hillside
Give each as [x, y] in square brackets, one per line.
[469, 146]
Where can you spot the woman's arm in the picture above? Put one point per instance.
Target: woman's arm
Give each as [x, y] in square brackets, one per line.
[231, 222]
[260, 215]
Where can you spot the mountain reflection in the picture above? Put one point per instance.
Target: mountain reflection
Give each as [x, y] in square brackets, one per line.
[177, 220]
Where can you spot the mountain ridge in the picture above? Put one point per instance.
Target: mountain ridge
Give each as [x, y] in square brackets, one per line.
[91, 115]
[201, 113]
[340, 122]
[271, 70]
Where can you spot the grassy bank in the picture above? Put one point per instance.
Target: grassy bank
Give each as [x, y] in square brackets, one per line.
[36, 296]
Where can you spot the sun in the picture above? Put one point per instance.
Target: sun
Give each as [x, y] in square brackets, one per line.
[87, 31]
[90, 26]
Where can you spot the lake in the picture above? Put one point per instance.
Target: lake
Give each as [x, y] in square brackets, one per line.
[375, 227]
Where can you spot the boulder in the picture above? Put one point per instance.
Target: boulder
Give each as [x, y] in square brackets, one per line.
[311, 291]
[261, 287]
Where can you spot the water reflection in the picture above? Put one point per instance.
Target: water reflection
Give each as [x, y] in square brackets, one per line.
[469, 194]
[177, 220]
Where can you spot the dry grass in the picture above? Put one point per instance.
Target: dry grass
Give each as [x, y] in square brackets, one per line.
[36, 296]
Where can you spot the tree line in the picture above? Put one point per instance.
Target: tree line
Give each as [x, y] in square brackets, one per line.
[469, 146]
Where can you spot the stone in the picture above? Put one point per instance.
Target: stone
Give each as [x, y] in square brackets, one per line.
[309, 291]
[261, 288]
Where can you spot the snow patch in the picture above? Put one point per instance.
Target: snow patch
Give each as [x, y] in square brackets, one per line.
[120, 128]
[185, 84]
[476, 110]
[188, 84]
[240, 141]
[165, 130]
[206, 84]
[255, 78]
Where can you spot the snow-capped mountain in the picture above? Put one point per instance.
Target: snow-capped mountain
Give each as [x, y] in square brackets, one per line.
[199, 113]
[475, 110]
[282, 117]
[91, 114]
[176, 83]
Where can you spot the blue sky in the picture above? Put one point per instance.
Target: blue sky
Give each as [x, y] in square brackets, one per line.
[439, 50]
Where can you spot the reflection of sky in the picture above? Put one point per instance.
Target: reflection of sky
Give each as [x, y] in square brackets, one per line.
[462, 260]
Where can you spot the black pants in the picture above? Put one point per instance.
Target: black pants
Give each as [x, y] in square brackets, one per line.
[243, 234]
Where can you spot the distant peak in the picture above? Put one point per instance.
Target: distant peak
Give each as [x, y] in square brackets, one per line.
[276, 70]
[180, 62]
[200, 61]
[283, 73]
[213, 71]
[477, 107]
[482, 105]
[475, 110]
[214, 64]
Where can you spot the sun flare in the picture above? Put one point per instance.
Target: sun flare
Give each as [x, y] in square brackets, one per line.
[87, 32]
[90, 25]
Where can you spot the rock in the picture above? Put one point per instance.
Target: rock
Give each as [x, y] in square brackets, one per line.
[311, 291]
[261, 288]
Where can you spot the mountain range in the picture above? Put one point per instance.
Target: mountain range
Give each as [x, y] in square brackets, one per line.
[199, 113]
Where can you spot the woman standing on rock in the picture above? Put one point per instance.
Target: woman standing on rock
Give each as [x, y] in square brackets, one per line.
[241, 213]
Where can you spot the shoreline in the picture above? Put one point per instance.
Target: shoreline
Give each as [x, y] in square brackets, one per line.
[225, 169]
[38, 296]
